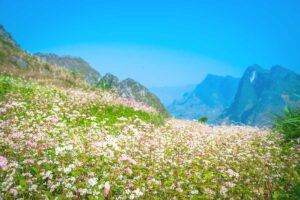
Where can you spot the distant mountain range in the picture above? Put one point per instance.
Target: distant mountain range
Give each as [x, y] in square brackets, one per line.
[66, 70]
[209, 98]
[253, 100]
[170, 93]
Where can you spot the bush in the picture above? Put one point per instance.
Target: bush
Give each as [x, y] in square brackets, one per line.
[288, 123]
[203, 119]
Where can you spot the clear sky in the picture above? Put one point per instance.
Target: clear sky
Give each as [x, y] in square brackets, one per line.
[157, 42]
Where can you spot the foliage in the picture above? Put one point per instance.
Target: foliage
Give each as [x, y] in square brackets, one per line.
[288, 123]
[203, 119]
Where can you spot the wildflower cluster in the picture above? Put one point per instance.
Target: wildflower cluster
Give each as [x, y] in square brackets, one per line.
[83, 145]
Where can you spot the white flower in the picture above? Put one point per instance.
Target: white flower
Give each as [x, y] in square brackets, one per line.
[138, 192]
[131, 196]
[194, 192]
[92, 182]
[67, 170]
[223, 191]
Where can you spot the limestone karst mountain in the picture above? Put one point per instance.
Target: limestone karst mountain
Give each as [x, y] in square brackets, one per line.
[261, 93]
[209, 98]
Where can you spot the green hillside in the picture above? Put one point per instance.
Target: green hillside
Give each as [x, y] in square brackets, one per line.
[131, 89]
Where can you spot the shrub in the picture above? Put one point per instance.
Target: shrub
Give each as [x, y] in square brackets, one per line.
[288, 123]
[203, 119]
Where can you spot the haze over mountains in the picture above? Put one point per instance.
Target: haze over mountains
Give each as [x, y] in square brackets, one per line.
[71, 70]
[208, 99]
[252, 100]
[168, 94]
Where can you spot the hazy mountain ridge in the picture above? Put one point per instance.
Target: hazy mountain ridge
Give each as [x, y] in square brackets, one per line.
[208, 99]
[130, 88]
[74, 64]
[262, 93]
[168, 94]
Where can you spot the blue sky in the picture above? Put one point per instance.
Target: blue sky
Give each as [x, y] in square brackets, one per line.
[161, 43]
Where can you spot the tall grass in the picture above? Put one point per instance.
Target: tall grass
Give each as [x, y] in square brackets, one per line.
[288, 123]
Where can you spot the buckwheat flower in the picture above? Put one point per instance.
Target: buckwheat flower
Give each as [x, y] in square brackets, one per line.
[28, 161]
[70, 194]
[209, 192]
[83, 191]
[92, 182]
[131, 197]
[3, 163]
[138, 192]
[128, 159]
[232, 173]
[230, 184]
[128, 170]
[93, 95]
[194, 192]
[106, 189]
[13, 192]
[67, 169]
[223, 191]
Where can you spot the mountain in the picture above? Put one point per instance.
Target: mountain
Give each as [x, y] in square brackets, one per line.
[74, 64]
[168, 94]
[129, 88]
[209, 98]
[261, 93]
[6, 37]
[17, 62]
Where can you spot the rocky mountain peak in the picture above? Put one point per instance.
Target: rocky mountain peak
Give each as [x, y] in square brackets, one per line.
[6, 37]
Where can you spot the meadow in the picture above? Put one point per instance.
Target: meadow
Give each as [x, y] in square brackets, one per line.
[60, 143]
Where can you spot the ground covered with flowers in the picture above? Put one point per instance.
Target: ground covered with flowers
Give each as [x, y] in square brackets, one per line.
[74, 144]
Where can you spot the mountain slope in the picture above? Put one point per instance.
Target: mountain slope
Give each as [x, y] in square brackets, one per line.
[208, 99]
[17, 62]
[6, 37]
[262, 93]
[74, 64]
[129, 88]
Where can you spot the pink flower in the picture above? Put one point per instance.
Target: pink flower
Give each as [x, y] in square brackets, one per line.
[3, 163]
[14, 192]
[41, 146]
[31, 144]
[93, 95]
[128, 170]
[106, 189]
[28, 161]
[128, 159]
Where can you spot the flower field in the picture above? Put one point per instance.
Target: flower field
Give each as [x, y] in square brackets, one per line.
[74, 144]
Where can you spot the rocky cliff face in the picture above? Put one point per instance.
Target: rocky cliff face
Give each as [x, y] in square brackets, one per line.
[73, 64]
[130, 88]
[6, 37]
[262, 93]
[209, 98]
